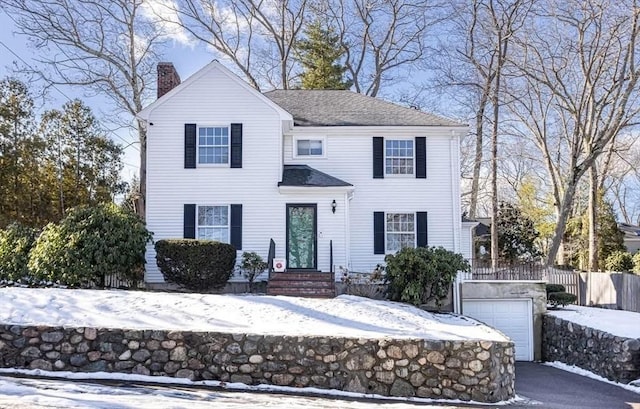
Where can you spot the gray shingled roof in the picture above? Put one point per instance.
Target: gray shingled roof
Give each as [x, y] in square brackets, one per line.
[346, 108]
[303, 175]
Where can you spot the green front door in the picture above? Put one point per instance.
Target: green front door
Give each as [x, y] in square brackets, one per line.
[301, 236]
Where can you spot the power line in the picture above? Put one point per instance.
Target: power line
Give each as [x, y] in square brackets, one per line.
[129, 143]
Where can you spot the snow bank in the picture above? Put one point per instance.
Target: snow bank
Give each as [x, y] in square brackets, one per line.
[346, 316]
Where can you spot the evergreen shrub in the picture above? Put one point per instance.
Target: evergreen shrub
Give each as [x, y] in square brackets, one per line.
[197, 265]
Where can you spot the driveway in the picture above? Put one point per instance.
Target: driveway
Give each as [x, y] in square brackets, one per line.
[547, 387]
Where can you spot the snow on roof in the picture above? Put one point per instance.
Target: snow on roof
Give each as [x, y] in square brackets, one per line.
[620, 323]
[346, 316]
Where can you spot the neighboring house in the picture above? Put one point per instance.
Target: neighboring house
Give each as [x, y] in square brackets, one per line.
[328, 175]
[631, 237]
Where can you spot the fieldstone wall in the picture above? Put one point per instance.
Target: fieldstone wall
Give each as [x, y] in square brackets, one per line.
[478, 370]
[615, 358]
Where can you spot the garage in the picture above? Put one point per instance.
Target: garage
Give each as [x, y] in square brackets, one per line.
[514, 317]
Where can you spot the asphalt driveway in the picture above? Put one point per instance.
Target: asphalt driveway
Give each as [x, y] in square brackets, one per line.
[547, 387]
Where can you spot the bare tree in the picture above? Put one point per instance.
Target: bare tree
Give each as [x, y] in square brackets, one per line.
[620, 177]
[107, 47]
[257, 36]
[469, 60]
[382, 37]
[580, 85]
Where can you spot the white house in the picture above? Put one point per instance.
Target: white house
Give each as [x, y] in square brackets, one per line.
[328, 175]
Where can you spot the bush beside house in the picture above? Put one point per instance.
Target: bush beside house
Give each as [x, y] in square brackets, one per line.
[197, 265]
[87, 246]
[90, 244]
[419, 275]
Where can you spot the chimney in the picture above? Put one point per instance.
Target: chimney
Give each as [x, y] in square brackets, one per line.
[168, 78]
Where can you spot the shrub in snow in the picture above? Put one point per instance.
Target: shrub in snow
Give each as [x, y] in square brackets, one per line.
[252, 265]
[419, 275]
[560, 299]
[557, 296]
[89, 244]
[619, 261]
[15, 243]
[197, 265]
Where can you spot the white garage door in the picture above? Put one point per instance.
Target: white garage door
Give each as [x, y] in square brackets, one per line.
[512, 317]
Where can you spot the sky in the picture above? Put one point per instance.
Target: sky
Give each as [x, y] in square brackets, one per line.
[15, 48]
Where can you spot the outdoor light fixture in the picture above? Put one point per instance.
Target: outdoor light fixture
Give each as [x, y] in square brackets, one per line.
[333, 206]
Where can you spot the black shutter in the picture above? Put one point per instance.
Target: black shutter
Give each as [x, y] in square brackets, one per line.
[189, 146]
[189, 221]
[235, 236]
[378, 232]
[421, 229]
[236, 145]
[421, 157]
[378, 157]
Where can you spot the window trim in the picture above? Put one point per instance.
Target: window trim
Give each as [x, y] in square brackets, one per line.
[413, 158]
[228, 226]
[294, 147]
[386, 231]
[213, 165]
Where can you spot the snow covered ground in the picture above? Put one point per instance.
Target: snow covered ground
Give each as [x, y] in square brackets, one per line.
[616, 322]
[346, 316]
[182, 393]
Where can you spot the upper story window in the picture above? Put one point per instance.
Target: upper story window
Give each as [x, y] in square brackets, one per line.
[309, 147]
[399, 157]
[213, 223]
[400, 231]
[213, 145]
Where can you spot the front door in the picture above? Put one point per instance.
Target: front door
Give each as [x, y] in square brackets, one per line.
[301, 236]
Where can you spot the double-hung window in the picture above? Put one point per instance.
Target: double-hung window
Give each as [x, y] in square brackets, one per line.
[399, 157]
[213, 145]
[400, 231]
[213, 223]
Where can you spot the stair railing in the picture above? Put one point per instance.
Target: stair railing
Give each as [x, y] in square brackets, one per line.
[333, 276]
[271, 256]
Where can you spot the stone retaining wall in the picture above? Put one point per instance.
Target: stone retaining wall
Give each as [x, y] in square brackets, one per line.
[478, 370]
[615, 358]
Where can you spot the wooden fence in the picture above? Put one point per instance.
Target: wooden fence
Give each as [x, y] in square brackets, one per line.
[482, 270]
[569, 279]
[610, 290]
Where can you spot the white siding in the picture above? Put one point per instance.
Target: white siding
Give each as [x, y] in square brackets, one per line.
[466, 245]
[215, 99]
[349, 157]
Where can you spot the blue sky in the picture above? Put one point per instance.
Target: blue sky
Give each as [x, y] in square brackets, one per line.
[187, 61]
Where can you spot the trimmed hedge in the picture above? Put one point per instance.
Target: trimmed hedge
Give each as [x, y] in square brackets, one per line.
[197, 265]
[555, 288]
[557, 296]
[560, 298]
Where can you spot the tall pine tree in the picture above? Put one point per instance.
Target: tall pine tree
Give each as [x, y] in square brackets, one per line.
[319, 53]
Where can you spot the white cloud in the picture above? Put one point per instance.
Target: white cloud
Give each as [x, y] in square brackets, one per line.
[164, 15]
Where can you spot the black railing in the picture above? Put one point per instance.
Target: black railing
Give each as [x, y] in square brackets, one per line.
[331, 260]
[271, 256]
